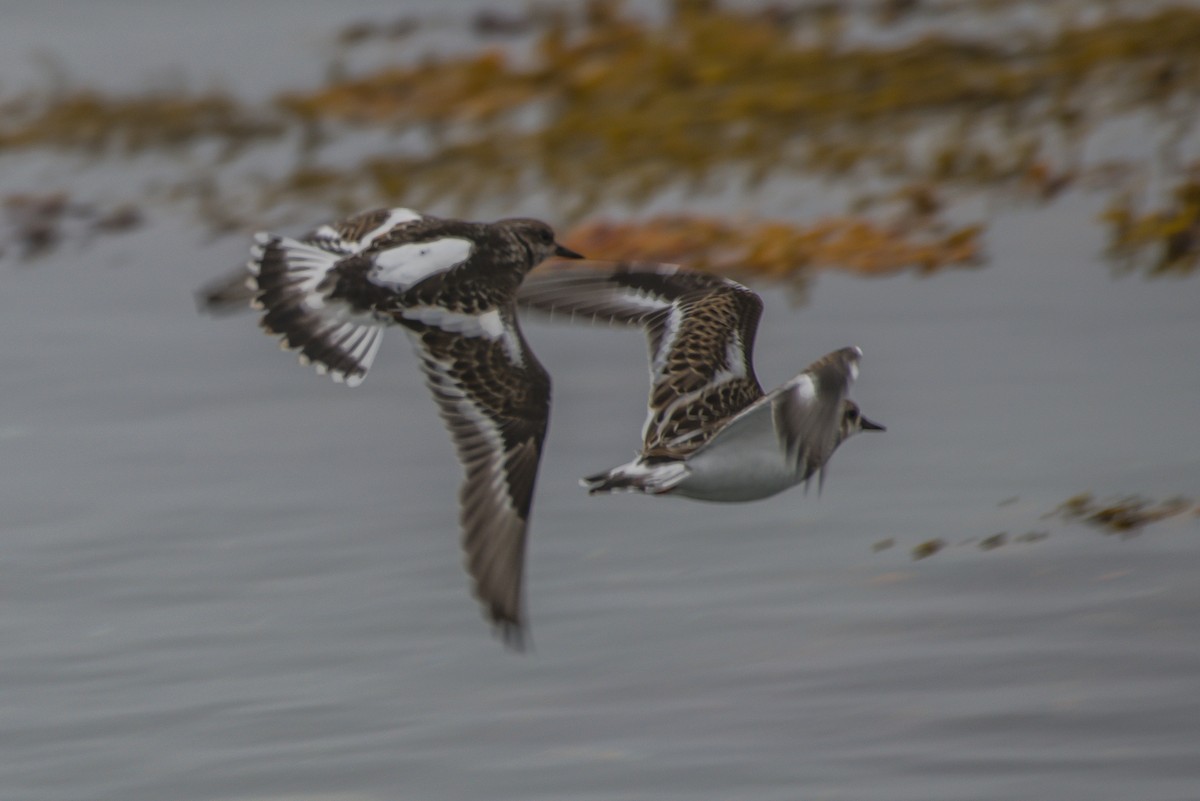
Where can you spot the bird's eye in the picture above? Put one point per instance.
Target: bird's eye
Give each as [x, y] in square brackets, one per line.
[852, 415]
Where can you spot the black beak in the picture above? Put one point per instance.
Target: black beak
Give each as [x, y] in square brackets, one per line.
[870, 425]
[566, 253]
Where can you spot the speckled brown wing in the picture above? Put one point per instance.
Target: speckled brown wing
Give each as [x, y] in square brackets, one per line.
[703, 372]
[701, 332]
[494, 397]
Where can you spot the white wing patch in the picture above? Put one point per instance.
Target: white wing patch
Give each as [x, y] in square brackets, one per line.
[492, 324]
[805, 388]
[670, 331]
[404, 266]
[396, 216]
[326, 233]
[331, 238]
[643, 300]
[488, 324]
[735, 357]
[854, 365]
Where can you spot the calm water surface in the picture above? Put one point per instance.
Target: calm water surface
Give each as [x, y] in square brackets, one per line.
[223, 577]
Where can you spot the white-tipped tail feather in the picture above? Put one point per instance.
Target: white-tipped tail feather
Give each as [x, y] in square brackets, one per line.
[289, 277]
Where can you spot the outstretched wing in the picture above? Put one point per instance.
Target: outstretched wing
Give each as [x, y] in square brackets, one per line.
[494, 397]
[808, 410]
[701, 330]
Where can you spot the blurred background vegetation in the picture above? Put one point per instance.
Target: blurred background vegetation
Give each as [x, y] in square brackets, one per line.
[918, 117]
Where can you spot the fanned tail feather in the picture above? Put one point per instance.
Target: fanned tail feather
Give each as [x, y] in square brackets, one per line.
[288, 278]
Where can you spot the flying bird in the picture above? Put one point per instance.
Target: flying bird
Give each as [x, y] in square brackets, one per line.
[711, 433]
[451, 285]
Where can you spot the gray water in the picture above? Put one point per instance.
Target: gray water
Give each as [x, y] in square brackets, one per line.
[224, 577]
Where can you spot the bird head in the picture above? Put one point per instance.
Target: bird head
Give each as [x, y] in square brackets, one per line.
[853, 421]
[538, 237]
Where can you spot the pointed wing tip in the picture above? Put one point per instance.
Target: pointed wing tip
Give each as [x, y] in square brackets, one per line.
[499, 447]
[507, 617]
[850, 354]
[513, 634]
[853, 358]
[843, 360]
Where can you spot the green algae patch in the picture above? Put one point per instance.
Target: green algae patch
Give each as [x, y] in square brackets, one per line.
[1127, 515]
[1159, 242]
[777, 249]
[927, 548]
[96, 124]
[37, 224]
[997, 540]
[1121, 516]
[646, 106]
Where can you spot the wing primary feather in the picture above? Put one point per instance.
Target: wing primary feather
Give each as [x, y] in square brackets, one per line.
[496, 410]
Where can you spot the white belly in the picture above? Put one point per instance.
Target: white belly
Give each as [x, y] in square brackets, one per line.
[733, 487]
[745, 467]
